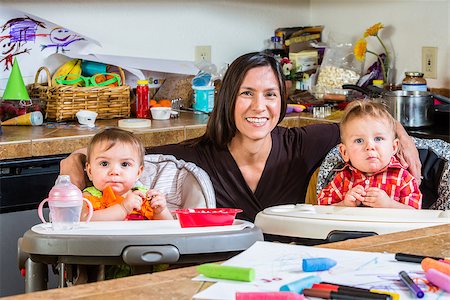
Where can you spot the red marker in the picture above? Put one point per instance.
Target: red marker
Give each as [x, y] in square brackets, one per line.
[371, 294]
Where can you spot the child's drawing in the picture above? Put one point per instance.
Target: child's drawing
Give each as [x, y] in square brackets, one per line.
[15, 34]
[61, 38]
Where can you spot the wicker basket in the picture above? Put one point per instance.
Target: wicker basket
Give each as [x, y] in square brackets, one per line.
[64, 101]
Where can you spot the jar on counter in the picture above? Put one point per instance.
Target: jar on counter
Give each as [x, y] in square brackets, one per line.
[142, 101]
[414, 81]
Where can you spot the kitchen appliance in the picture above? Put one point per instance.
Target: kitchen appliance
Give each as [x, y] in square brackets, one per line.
[413, 109]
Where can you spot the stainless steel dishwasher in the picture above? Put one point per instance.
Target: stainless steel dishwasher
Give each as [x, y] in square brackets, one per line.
[23, 184]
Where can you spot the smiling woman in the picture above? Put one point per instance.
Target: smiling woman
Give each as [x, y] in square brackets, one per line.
[252, 162]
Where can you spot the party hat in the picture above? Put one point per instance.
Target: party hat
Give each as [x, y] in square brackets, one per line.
[15, 88]
[32, 118]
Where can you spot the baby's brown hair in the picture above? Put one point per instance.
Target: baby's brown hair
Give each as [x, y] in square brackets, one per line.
[361, 109]
[112, 136]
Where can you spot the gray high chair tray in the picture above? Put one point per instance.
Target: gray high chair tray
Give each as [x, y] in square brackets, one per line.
[136, 243]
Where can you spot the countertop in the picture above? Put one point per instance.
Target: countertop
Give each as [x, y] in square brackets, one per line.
[64, 138]
[178, 284]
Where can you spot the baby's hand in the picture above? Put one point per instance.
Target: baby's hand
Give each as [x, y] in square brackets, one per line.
[354, 196]
[376, 197]
[133, 201]
[157, 201]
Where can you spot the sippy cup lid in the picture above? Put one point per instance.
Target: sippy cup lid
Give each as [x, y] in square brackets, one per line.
[64, 190]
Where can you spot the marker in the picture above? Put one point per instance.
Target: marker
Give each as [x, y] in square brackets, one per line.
[439, 279]
[411, 285]
[330, 286]
[413, 258]
[429, 263]
[317, 264]
[299, 285]
[352, 291]
[227, 272]
[327, 294]
[268, 296]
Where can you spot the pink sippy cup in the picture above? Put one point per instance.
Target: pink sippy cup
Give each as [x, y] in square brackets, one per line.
[65, 201]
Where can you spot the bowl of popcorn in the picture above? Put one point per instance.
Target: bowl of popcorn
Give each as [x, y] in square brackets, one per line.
[202, 217]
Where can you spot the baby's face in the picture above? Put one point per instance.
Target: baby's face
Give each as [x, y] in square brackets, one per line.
[118, 167]
[368, 143]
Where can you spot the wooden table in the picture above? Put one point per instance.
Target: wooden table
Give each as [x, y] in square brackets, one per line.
[177, 283]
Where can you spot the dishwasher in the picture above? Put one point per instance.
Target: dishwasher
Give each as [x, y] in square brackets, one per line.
[24, 183]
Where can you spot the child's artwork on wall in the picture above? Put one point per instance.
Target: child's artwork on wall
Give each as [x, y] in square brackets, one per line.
[31, 40]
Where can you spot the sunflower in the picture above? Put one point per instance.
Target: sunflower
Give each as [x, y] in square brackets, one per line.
[360, 49]
[373, 30]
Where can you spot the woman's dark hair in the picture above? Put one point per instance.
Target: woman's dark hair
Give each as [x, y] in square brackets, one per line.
[221, 126]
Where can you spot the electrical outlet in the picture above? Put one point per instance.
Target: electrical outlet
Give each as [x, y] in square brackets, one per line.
[203, 54]
[429, 62]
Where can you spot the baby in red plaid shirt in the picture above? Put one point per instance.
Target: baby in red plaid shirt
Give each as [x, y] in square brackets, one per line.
[372, 175]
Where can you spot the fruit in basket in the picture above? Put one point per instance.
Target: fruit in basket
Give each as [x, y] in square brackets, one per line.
[71, 67]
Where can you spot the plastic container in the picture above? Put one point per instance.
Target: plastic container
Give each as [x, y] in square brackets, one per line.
[161, 113]
[202, 217]
[142, 100]
[86, 117]
[203, 98]
[65, 201]
[414, 81]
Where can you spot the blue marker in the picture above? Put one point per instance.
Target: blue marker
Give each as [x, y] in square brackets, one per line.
[411, 285]
[317, 264]
[299, 285]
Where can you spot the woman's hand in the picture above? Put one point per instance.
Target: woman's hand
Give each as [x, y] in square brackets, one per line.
[408, 153]
[73, 165]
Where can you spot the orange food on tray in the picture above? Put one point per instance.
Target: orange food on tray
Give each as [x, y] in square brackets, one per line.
[109, 198]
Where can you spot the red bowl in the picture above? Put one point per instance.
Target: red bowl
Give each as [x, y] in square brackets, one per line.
[202, 217]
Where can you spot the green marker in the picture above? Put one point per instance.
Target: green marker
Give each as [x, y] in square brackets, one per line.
[227, 272]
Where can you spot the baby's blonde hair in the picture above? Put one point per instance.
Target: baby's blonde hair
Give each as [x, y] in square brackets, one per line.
[363, 109]
[112, 136]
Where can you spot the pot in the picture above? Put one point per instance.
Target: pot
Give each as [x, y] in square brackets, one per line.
[411, 108]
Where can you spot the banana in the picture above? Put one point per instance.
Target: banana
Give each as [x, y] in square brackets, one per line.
[75, 73]
[67, 68]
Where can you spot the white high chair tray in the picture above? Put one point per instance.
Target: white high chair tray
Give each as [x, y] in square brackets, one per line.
[316, 222]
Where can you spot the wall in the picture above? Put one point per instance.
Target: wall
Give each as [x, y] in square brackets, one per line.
[171, 29]
[410, 25]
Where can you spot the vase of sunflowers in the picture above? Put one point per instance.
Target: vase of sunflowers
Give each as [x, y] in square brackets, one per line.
[384, 60]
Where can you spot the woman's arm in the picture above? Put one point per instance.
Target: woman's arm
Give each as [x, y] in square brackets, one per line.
[408, 153]
[73, 165]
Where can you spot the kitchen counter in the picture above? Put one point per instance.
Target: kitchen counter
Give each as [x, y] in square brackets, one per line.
[178, 284]
[64, 138]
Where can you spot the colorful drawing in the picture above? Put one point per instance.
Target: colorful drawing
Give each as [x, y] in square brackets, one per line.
[61, 38]
[21, 30]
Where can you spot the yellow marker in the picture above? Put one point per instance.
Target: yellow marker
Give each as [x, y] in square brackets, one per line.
[394, 296]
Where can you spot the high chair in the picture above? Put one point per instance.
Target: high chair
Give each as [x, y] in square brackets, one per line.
[137, 243]
[314, 224]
